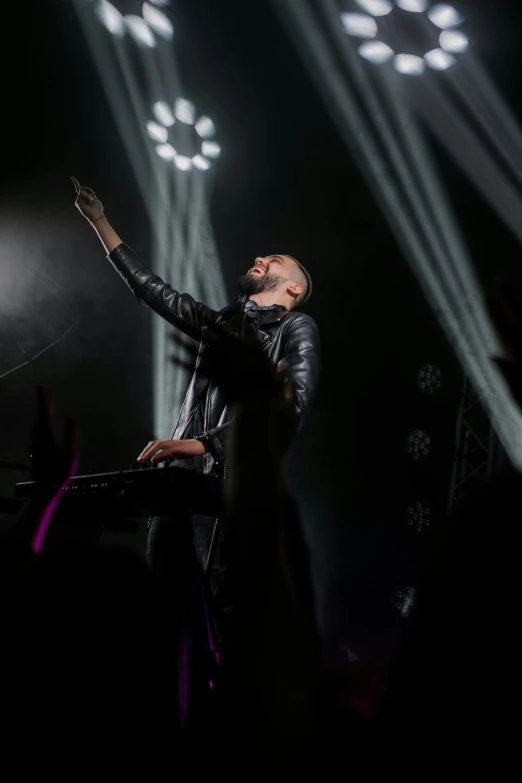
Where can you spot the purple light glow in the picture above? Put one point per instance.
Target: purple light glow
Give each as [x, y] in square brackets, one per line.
[45, 520]
[209, 633]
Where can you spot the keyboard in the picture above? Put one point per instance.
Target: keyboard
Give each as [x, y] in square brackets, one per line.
[137, 493]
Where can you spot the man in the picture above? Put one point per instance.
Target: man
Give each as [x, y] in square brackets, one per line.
[270, 293]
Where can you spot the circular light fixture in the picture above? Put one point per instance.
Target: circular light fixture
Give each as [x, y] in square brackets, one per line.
[183, 111]
[143, 27]
[428, 379]
[441, 15]
[418, 445]
[418, 516]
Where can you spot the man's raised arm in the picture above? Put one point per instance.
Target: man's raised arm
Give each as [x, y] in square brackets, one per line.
[181, 310]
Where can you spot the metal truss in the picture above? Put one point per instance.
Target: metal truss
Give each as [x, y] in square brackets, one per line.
[475, 447]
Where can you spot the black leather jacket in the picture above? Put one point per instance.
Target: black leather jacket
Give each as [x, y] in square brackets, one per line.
[291, 339]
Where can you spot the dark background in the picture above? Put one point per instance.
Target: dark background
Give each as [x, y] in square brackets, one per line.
[285, 183]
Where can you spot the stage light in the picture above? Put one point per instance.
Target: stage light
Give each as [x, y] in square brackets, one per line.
[110, 17]
[443, 16]
[205, 127]
[392, 148]
[376, 52]
[415, 6]
[157, 20]
[440, 15]
[429, 379]
[359, 25]
[140, 30]
[418, 444]
[182, 162]
[375, 7]
[403, 600]
[439, 60]
[185, 111]
[454, 41]
[211, 149]
[166, 151]
[163, 114]
[419, 516]
[200, 162]
[409, 64]
[157, 132]
[184, 249]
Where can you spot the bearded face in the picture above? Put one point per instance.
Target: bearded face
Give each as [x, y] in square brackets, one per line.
[255, 282]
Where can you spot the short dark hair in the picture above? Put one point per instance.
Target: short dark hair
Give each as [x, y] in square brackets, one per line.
[307, 288]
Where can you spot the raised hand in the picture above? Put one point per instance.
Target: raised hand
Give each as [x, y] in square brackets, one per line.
[87, 202]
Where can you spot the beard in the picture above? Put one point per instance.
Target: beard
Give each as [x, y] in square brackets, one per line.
[255, 284]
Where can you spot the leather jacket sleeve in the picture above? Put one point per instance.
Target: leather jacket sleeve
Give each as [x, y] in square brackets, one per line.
[300, 360]
[216, 441]
[181, 310]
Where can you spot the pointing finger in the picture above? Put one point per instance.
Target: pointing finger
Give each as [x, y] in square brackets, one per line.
[76, 184]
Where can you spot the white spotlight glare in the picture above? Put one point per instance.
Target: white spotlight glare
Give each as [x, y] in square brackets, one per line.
[376, 52]
[140, 30]
[110, 17]
[156, 131]
[160, 23]
[439, 60]
[166, 151]
[161, 3]
[359, 25]
[205, 127]
[200, 162]
[453, 41]
[182, 162]
[185, 111]
[163, 113]
[443, 15]
[409, 64]
[211, 149]
[375, 7]
[415, 6]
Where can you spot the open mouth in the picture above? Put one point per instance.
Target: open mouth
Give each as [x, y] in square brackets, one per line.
[258, 269]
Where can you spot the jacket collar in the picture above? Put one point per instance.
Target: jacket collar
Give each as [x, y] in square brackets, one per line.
[263, 315]
[251, 307]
